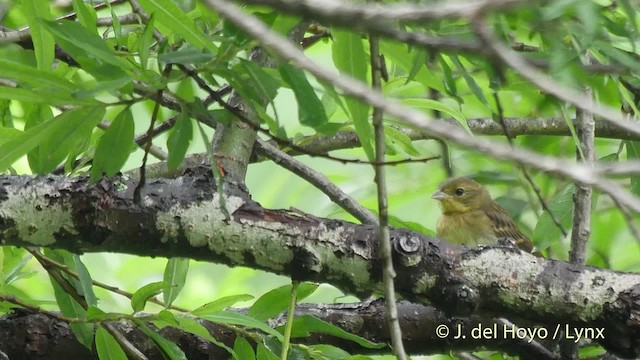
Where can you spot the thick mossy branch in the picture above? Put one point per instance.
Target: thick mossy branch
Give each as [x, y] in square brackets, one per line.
[182, 217]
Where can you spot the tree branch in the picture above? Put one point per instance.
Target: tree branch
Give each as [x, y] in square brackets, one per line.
[416, 118]
[363, 319]
[182, 217]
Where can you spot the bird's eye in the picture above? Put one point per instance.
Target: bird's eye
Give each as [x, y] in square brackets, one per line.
[459, 191]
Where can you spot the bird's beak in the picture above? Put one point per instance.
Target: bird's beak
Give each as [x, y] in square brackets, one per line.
[439, 195]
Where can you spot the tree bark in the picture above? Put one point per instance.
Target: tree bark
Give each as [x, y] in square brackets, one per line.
[183, 217]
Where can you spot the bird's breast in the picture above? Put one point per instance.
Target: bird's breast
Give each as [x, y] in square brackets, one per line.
[469, 228]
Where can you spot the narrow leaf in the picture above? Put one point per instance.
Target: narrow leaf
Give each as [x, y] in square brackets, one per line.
[220, 304]
[419, 60]
[310, 109]
[471, 82]
[36, 78]
[43, 43]
[140, 297]
[187, 56]
[6, 118]
[49, 131]
[145, 41]
[233, 318]
[170, 15]
[306, 324]
[277, 300]
[175, 276]
[76, 126]
[171, 350]
[194, 327]
[86, 14]
[243, 349]
[83, 44]
[179, 140]
[350, 58]
[85, 281]
[68, 305]
[107, 346]
[114, 146]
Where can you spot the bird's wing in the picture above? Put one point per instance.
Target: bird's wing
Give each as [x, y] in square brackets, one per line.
[505, 227]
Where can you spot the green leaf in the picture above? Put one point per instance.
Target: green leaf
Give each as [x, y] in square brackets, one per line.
[76, 126]
[107, 346]
[233, 318]
[323, 351]
[263, 353]
[450, 86]
[33, 78]
[43, 43]
[419, 60]
[186, 56]
[471, 82]
[168, 317]
[179, 140]
[633, 153]
[86, 14]
[310, 109]
[171, 350]
[12, 262]
[114, 146]
[88, 49]
[40, 96]
[37, 114]
[85, 281]
[429, 104]
[262, 86]
[277, 300]
[144, 44]
[120, 84]
[95, 314]
[243, 349]
[171, 16]
[304, 325]
[117, 27]
[220, 304]
[631, 14]
[398, 137]
[6, 118]
[194, 327]
[175, 275]
[350, 58]
[49, 132]
[68, 305]
[142, 295]
[561, 206]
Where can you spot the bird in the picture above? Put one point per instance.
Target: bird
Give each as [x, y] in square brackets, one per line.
[470, 217]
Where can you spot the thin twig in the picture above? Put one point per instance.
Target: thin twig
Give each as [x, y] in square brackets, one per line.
[318, 180]
[284, 142]
[558, 167]
[388, 273]
[13, 300]
[547, 83]
[524, 171]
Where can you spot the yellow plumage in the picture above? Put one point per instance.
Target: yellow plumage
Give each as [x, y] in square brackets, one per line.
[471, 217]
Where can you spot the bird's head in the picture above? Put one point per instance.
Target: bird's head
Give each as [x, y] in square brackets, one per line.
[460, 195]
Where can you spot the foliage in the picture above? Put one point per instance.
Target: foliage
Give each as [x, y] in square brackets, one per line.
[86, 112]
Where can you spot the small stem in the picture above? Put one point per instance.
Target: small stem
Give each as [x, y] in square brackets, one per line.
[289, 325]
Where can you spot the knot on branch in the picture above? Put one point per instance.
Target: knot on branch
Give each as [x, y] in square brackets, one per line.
[408, 248]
